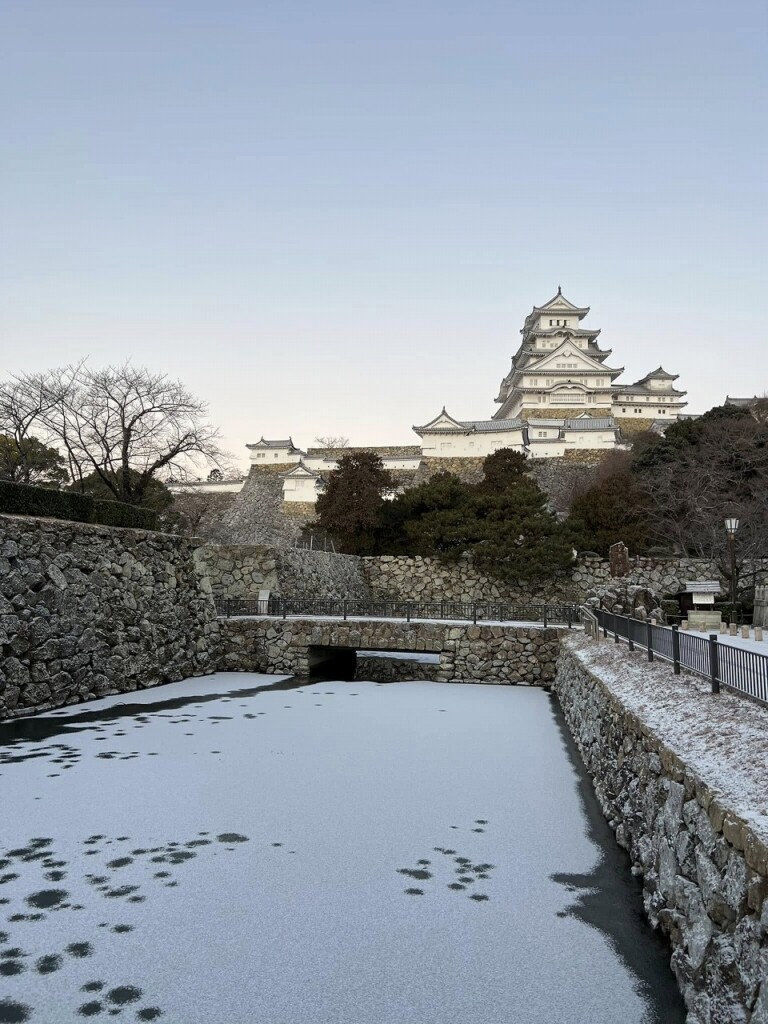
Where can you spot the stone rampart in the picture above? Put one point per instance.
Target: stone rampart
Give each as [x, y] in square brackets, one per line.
[489, 654]
[242, 570]
[415, 578]
[88, 610]
[680, 774]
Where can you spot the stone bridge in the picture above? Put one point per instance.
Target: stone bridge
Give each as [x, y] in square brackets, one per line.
[508, 653]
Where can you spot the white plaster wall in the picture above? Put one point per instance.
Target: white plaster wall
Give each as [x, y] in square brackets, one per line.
[451, 446]
[264, 456]
[300, 489]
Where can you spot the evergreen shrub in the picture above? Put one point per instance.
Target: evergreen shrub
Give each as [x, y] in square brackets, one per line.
[23, 500]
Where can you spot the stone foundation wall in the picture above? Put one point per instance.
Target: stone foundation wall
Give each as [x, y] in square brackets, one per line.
[87, 611]
[242, 570]
[680, 775]
[488, 654]
[415, 578]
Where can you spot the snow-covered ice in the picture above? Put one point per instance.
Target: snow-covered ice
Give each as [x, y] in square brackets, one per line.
[231, 849]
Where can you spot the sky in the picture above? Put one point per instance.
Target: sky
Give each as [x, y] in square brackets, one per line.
[331, 218]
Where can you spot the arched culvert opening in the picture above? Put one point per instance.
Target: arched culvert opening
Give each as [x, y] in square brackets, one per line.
[327, 663]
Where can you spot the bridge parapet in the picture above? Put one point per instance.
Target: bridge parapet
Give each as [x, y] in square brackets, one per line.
[512, 653]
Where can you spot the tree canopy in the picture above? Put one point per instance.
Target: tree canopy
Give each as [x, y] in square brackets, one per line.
[348, 509]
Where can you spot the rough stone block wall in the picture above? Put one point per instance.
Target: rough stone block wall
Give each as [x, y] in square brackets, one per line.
[87, 611]
[242, 570]
[487, 654]
[407, 578]
[680, 774]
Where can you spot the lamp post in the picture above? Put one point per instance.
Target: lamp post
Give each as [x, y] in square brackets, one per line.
[731, 526]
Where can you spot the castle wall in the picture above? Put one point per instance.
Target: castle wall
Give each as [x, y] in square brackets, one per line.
[87, 611]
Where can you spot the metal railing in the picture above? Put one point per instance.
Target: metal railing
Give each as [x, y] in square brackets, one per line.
[736, 668]
[472, 611]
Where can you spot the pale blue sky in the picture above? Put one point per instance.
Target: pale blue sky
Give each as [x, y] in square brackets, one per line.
[333, 217]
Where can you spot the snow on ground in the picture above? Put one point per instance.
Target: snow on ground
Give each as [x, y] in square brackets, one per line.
[240, 848]
[758, 646]
[722, 737]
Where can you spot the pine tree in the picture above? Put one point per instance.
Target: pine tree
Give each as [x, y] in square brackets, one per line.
[349, 508]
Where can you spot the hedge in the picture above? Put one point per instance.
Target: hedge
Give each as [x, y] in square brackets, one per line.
[21, 500]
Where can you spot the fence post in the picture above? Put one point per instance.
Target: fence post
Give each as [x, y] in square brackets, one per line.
[676, 649]
[474, 612]
[605, 625]
[228, 607]
[407, 611]
[615, 629]
[714, 663]
[630, 638]
[442, 608]
[285, 607]
[649, 638]
[545, 616]
[344, 609]
[570, 616]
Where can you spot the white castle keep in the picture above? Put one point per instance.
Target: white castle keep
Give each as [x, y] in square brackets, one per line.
[559, 397]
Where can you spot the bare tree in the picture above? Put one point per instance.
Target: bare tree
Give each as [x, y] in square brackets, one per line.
[331, 441]
[724, 472]
[124, 426]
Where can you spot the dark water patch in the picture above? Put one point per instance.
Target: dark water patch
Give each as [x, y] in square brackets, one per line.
[198, 842]
[481, 821]
[119, 862]
[8, 968]
[456, 885]
[11, 876]
[80, 949]
[12, 1012]
[92, 986]
[90, 1009]
[235, 837]
[46, 898]
[418, 873]
[55, 876]
[121, 929]
[149, 1013]
[13, 951]
[413, 892]
[123, 890]
[122, 995]
[179, 856]
[608, 890]
[479, 897]
[49, 963]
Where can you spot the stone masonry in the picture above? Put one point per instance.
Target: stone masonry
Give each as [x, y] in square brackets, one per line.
[88, 610]
[242, 570]
[489, 654]
[680, 774]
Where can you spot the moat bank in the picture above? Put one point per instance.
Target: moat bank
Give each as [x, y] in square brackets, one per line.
[681, 776]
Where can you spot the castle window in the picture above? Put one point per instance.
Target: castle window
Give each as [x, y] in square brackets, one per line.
[542, 433]
[624, 408]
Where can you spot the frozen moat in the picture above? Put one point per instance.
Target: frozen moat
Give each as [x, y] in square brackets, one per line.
[235, 849]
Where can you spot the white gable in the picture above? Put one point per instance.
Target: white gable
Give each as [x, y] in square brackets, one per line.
[567, 352]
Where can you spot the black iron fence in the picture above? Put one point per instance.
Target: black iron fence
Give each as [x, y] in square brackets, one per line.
[729, 665]
[471, 611]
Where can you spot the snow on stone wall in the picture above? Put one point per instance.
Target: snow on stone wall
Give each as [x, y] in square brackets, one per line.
[680, 774]
[87, 611]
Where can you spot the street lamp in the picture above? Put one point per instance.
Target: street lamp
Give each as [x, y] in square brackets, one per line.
[731, 526]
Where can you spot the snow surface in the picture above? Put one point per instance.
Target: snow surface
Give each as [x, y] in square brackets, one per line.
[722, 737]
[725, 639]
[294, 813]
